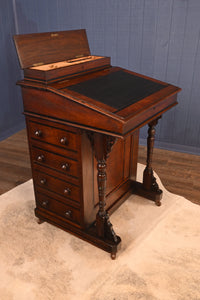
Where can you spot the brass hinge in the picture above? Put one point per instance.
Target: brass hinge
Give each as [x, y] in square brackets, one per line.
[54, 34]
[38, 64]
[78, 56]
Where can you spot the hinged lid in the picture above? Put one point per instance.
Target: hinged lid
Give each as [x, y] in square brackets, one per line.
[49, 47]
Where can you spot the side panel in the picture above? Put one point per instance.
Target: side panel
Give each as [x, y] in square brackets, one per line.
[121, 165]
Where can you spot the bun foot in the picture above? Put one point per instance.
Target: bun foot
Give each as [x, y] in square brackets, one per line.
[158, 203]
[113, 255]
[39, 221]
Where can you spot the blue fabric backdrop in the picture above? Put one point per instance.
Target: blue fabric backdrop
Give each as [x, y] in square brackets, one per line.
[159, 38]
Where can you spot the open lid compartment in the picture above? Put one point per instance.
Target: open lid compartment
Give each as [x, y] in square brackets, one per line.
[52, 56]
[50, 47]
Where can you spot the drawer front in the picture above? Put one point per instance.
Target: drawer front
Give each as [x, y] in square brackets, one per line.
[58, 162]
[61, 187]
[52, 135]
[65, 211]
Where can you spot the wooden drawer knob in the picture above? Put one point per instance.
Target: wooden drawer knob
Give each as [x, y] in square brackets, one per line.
[67, 191]
[68, 214]
[65, 167]
[38, 133]
[40, 158]
[64, 141]
[45, 203]
[43, 181]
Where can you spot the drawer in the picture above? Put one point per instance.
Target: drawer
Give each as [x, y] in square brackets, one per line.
[63, 210]
[60, 163]
[53, 135]
[61, 187]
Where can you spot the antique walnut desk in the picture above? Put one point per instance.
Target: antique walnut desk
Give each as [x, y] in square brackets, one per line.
[83, 119]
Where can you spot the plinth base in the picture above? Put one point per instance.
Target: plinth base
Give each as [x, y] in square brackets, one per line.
[88, 235]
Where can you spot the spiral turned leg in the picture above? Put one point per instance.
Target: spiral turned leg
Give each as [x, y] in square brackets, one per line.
[102, 145]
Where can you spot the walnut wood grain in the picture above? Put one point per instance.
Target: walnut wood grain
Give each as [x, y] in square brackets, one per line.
[92, 135]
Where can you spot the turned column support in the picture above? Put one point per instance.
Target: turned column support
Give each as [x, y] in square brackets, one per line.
[102, 145]
[149, 187]
[149, 181]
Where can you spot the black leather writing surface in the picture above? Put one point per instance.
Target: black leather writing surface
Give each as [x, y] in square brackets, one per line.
[118, 89]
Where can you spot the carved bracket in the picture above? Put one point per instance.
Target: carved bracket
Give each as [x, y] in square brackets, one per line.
[101, 144]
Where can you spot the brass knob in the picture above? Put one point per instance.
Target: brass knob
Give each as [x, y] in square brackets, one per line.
[38, 133]
[45, 203]
[43, 181]
[68, 213]
[67, 191]
[65, 167]
[40, 158]
[64, 141]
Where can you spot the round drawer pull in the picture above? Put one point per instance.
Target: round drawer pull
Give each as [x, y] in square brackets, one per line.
[38, 133]
[43, 181]
[65, 167]
[45, 203]
[68, 214]
[67, 191]
[64, 141]
[40, 158]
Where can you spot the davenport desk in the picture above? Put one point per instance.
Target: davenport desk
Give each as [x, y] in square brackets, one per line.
[83, 118]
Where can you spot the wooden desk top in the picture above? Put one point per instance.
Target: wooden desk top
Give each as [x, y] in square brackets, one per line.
[113, 100]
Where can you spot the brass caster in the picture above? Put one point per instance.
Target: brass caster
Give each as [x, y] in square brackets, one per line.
[39, 221]
[113, 255]
[158, 203]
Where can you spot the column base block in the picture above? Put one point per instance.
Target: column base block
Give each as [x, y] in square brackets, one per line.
[154, 195]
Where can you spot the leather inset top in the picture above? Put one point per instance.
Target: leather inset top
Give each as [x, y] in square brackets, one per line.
[117, 89]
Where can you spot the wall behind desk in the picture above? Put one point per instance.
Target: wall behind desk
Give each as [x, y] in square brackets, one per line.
[159, 38]
[11, 118]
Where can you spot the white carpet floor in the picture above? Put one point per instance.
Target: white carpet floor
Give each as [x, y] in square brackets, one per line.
[159, 258]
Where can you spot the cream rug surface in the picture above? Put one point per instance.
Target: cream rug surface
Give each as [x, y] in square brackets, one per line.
[159, 258]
